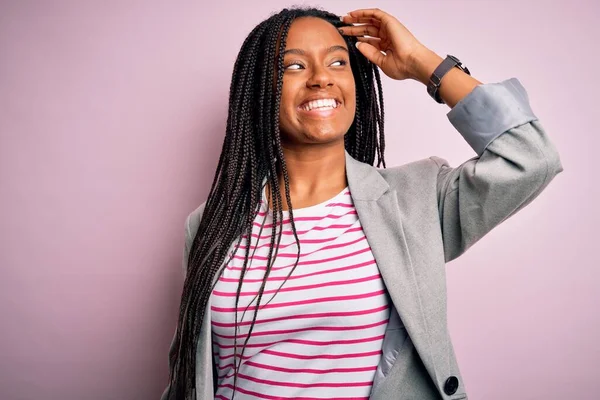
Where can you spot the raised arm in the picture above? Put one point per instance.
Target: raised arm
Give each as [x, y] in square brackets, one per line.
[515, 161]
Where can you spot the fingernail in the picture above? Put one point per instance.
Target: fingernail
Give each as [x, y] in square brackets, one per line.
[342, 18]
[357, 43]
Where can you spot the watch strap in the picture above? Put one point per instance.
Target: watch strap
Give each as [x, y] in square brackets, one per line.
[437, 75]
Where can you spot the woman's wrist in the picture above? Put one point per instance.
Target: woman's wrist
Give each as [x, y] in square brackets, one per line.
[422, 64]
[455, 84]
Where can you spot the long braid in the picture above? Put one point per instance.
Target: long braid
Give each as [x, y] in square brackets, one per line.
[269, 125]
[249, 135]
[282, 164]
[251, 153]
[379, 114]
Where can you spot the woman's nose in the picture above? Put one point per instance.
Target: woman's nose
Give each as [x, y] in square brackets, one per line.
[320, 78]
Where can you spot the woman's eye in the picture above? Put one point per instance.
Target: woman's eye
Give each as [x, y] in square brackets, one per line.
[289, 66]
[341, 62]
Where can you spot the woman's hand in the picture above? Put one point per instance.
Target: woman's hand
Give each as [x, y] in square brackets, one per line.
[387, 34]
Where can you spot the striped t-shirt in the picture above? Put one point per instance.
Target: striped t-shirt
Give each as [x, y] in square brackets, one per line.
[320, 337]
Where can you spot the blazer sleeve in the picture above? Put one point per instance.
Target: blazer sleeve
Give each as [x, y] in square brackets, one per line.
[515, 161]
[186, 253]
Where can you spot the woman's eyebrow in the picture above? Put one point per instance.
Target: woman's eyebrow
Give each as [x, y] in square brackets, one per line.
[302, 52]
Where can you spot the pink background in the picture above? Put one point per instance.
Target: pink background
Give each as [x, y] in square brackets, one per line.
[112, 116]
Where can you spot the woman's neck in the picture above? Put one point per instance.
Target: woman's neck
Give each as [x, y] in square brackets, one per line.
[316, 174]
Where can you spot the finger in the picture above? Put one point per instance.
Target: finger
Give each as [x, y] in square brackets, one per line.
[351, 20]
[370, 13]
[361, 30]
[373, 54]
[375, 42]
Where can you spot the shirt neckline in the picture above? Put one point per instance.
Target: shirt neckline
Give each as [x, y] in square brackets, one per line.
[304, 210]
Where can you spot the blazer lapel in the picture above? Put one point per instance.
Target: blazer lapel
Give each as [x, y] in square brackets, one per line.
[378, 211]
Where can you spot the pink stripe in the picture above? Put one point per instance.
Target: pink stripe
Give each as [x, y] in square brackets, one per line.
[281, 278]
[301, 316]
[228, 366]
[309, 262]
[324, 356]
[263, 213]
[299, 219]
[300, 341]
[266, 396]
[304, 287]
[301, 302]
[340, 205]
[305, 385]
[268, 244]
[231, 355]
[309, 370]
[311, 241]
[307, 329]
[303, 356]
[290, 255]
[300, 233]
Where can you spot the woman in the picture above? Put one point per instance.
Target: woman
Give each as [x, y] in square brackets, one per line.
[346, 260]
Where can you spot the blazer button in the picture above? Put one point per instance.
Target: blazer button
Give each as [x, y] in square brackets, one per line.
[451, 385]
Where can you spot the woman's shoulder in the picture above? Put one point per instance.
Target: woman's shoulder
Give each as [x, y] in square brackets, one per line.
[413, 174]
[192, 222]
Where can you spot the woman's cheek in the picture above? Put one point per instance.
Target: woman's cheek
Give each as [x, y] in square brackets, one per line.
[285, 120]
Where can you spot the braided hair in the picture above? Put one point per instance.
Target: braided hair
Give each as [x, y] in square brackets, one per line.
[251, 154]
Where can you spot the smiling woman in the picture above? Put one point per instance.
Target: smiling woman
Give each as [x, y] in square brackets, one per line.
[305, 239]
[282, 147]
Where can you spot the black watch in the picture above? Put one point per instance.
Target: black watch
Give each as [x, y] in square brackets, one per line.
[436, 78]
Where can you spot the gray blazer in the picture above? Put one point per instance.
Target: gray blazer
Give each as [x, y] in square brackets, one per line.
[423, 214]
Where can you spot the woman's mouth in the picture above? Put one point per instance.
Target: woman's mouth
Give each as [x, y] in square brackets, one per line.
[321, 108]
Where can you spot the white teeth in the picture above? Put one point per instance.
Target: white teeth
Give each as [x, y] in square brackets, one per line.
[326, 104]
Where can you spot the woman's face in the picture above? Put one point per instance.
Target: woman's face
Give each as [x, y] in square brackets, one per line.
[318, 98]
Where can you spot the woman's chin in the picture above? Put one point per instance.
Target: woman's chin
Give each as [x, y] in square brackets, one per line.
[327, 137]
[323, 134]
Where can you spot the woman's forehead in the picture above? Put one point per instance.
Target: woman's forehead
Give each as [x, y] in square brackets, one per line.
[310, 33]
